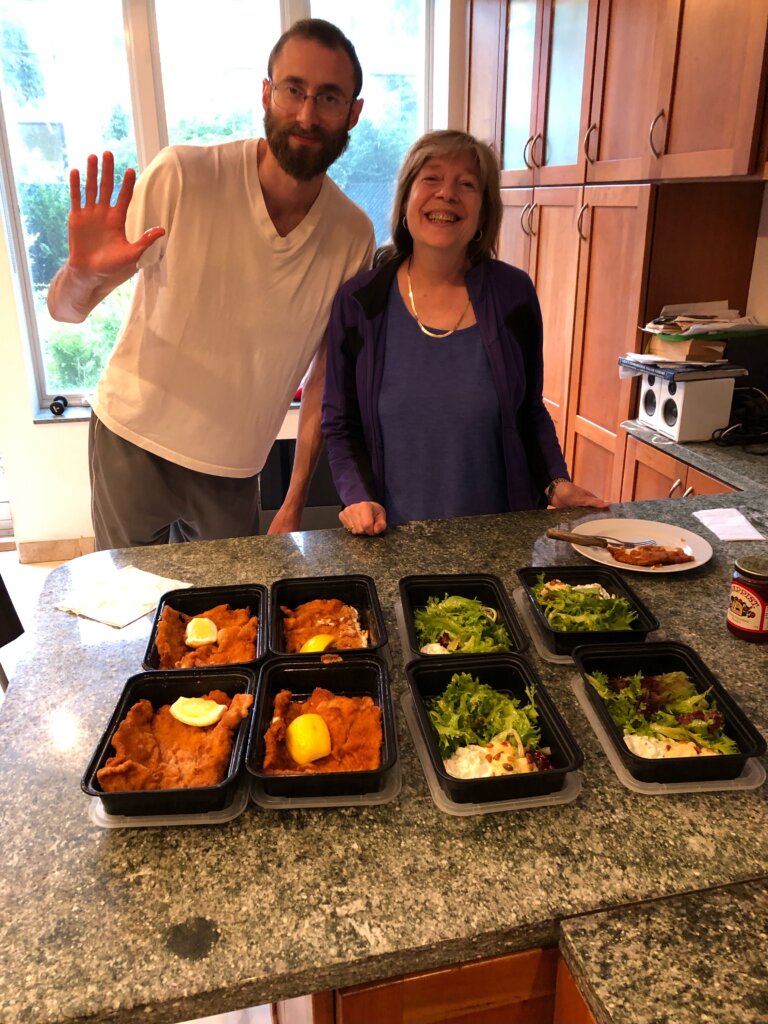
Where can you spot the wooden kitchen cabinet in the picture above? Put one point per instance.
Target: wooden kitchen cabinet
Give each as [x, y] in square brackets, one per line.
[570, 1007]
[650, 474]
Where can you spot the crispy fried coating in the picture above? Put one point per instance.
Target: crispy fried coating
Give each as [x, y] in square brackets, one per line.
[155, 751]
[353, 722]
[236, 641]
[322, 616]
[650, 554]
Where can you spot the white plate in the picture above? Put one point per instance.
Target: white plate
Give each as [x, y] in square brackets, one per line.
[636, 529]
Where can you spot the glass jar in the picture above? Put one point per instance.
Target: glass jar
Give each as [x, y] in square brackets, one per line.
[747, 614]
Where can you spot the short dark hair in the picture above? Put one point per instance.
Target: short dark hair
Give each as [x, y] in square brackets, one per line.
[327, 35]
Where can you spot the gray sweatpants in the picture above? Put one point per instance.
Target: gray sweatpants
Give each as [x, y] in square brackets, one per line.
[138, 498]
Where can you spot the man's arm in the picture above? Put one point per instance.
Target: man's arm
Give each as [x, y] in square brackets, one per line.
[100, 255]
[309, 441]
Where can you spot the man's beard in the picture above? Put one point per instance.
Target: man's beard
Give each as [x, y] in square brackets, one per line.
[304, 162]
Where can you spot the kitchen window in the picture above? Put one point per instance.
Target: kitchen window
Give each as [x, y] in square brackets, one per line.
[135, 75]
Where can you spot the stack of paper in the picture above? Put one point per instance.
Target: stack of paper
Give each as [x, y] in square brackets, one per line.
[695, 318]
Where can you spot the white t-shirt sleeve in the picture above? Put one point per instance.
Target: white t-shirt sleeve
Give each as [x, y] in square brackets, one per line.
[153, 204]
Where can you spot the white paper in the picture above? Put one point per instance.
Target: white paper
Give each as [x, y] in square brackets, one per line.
[120, 597]
[728, 524]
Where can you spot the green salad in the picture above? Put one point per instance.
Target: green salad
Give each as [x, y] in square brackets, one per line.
[586, 607]
[666, 707]
[473, 712]
[460, 624]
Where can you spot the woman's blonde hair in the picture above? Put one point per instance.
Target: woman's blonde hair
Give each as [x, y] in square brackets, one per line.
[447, 143]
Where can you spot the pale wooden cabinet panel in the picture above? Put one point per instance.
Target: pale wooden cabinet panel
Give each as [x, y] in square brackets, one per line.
[650, 474]
[515, 234]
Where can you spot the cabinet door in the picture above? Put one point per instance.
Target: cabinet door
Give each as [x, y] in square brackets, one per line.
[697, 482]
[515, 234]
[554, 265]
[650, 474]
[710, 71]
[616, 143]
[521, 75]
[610, 296]
[486, 53]
[564, 90]
[570, 1007]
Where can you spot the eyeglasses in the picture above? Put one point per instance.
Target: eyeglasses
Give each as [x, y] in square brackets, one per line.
[291, 99]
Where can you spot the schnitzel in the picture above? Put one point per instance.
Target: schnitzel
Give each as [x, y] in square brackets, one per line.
[353, 722]
[322, 616]
[153, 750]
[235, 642]
[650, 555]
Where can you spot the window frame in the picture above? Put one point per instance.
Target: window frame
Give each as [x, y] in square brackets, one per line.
[150, 126]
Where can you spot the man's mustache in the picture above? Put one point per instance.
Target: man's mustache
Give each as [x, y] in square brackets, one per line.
[306, 133]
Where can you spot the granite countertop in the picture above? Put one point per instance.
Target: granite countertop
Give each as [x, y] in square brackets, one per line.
[168, 924]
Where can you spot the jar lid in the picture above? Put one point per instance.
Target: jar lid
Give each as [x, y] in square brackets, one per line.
[754, 565]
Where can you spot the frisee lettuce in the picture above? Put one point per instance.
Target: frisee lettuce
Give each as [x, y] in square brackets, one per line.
[460, 624]
[473, 712]
[568, 610]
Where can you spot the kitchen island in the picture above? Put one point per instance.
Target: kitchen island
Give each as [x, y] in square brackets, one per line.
[167, 924]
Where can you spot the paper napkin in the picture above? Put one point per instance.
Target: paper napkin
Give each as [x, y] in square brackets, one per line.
[120, 597]
[728, 524]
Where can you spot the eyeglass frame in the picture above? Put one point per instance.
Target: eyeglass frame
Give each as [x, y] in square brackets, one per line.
[277, 87]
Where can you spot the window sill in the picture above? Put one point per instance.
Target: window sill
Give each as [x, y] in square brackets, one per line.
[72, 414]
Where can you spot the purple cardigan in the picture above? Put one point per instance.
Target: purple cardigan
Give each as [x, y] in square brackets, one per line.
[509, 318]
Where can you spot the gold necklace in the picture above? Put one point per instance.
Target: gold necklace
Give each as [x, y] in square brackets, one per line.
[422, 328]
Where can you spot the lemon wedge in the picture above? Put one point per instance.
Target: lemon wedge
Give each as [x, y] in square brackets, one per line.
[200, 631]
[197, 711]
[307, 738]
[317, 643]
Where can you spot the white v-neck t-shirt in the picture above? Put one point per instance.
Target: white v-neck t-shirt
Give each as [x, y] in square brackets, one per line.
[227, 315]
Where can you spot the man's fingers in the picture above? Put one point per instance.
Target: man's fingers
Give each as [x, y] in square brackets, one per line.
[147, 239]
[107, 178]
[74, 189]
[91, 178]
[126, 190]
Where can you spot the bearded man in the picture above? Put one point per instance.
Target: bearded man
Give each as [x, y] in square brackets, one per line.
[240, 249]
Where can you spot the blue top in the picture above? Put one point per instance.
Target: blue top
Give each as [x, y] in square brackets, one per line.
[440, 423]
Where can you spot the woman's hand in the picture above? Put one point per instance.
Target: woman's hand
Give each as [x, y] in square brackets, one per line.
[364, 517]
[97, 240]
[569, 495]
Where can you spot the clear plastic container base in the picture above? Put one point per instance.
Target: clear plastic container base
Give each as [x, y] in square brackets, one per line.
[752, 777]
[318, 803]
[537, 637]
[442, 801]
[229, 812]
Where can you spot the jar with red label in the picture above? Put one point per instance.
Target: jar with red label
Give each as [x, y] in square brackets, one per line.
[747, 614]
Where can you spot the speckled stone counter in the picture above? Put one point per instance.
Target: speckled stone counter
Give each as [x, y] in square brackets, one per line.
[168, 924]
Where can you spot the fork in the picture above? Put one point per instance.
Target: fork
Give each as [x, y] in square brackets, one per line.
[592, 540]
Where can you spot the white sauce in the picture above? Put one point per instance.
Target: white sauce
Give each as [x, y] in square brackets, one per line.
[434, 649]
[646, 746]
[499, 757]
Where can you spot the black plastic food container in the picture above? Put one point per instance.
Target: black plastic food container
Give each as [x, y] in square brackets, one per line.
[564, 642]
[653, 659]
[194, 600]
[416, 590]
[362, 676]
[164, 688]
[510, 674]
[357, 591]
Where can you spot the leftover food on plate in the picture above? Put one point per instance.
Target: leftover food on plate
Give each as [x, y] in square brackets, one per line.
[306, 627]
[663, 715]
[584, 606]
[153, 750]
[650, 555]
[482, 732]
[353, 725]
[459, 625]
[219, 636]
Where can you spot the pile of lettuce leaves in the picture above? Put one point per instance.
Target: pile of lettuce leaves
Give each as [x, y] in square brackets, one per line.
[473, 712]
[460, 624]
[568, 610]
[664, 707]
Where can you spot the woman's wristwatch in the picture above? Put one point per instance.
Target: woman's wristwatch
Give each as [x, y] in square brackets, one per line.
[549, 490]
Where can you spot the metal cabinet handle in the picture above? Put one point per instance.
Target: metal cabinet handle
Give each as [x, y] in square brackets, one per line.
[531, 232]
[582, 211]
[522, 218]
[592, 128]
[538, 136]
[674, 487]
[525, 153]
[654, 122]
[687, 491]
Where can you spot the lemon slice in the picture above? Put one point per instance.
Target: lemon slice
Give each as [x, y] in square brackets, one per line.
[197, 711]
[307, 738]
[317, 643]
[200, 631]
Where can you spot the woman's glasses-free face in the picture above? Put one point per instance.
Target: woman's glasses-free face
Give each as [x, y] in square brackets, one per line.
[290, 99]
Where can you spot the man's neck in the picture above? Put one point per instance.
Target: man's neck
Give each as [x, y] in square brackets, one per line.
[288, 201]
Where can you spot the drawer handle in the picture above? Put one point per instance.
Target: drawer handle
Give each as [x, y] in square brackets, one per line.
[592, 128]
[674, 487]
[538, 136]
[531, 232]
[654, 122]
[579, 220]
[522, 218]
[525, 153]
[687, 492]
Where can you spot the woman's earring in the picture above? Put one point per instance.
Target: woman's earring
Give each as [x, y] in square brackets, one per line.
[478, 236]
[405, 223]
